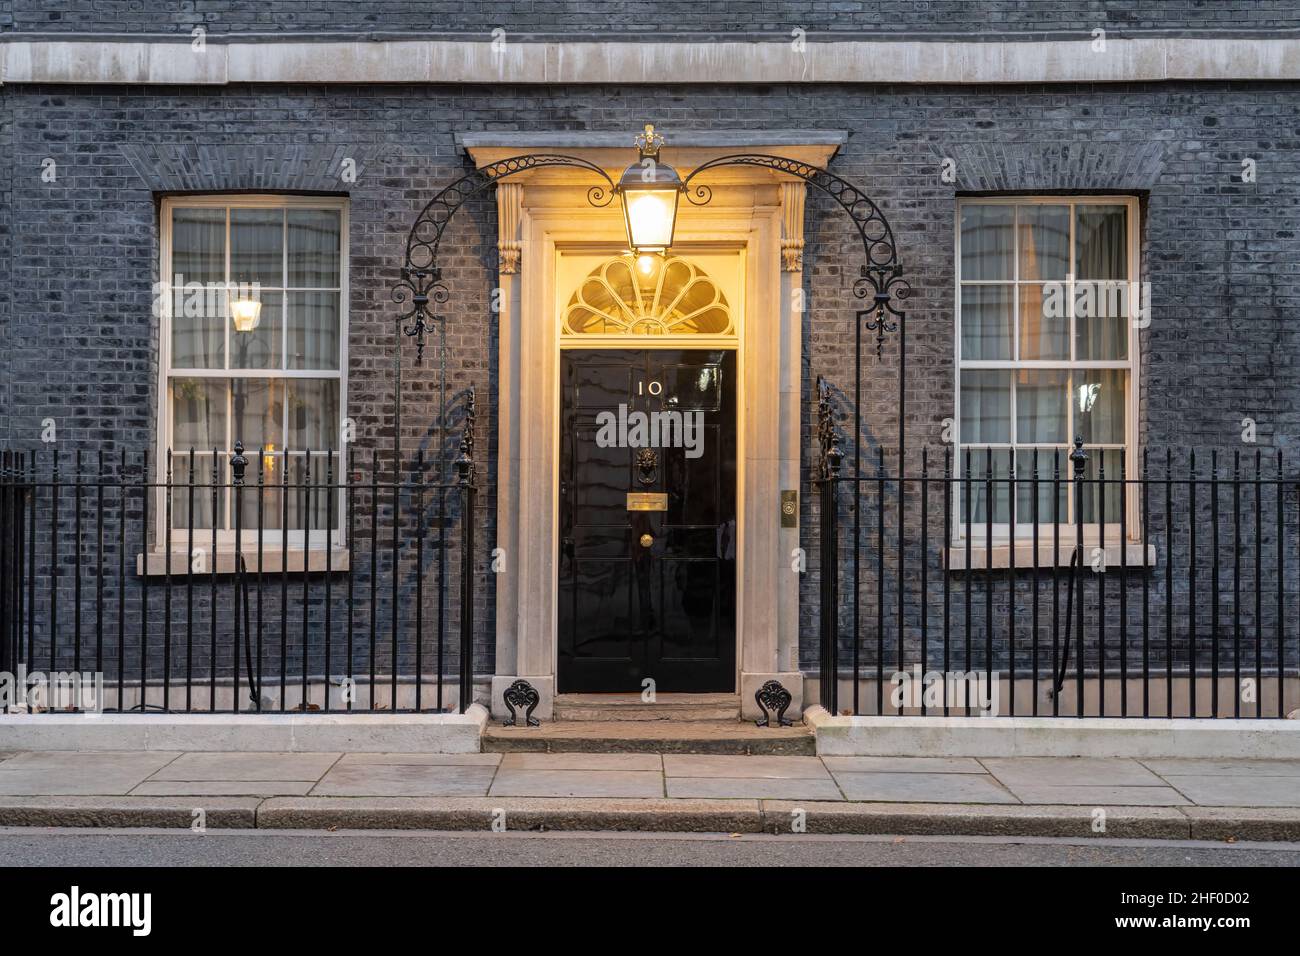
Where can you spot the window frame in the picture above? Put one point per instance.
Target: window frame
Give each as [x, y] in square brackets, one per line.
[272, 539]
[1093, 533]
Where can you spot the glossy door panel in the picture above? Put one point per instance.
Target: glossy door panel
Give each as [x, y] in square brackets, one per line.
[647, 594]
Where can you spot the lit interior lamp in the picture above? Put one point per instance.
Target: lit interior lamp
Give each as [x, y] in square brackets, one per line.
[649, 190]
[1088, 396]
[245, 309]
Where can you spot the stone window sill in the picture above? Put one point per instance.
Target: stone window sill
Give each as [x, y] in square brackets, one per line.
[998, 557]
[274, 561]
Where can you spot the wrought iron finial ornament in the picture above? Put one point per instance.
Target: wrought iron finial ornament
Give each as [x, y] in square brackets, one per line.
[465, 462]
[238, 464]
[1079, 457]
[831, 458]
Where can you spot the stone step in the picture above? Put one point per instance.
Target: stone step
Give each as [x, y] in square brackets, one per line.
[651, 736]
[676, 707]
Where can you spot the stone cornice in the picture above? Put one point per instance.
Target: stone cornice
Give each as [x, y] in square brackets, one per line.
[884, 61]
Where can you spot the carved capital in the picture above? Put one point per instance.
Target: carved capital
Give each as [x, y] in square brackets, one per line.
[792, 200]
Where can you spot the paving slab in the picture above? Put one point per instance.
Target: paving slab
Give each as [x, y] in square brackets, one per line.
[405, 780]
[922, 787]
[99, 811]
[580, 761]
[1163, 823]
[1098, 796]
[577, 783]
[1070, 771]
[91, 761]
[1204, 767]
[464, 813]
[904, 764]
[201, 789]
[764, 788]
[68, 773]
[247, 766]
[419, 760]
[777, 768]
[1254, 790]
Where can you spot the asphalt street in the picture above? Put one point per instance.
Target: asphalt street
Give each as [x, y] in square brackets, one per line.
[80, 848]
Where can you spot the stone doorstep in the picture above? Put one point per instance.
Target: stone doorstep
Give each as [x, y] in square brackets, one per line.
[650, 736]
[655, 815]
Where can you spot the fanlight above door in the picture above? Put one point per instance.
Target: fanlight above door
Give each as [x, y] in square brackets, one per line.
[648, 295]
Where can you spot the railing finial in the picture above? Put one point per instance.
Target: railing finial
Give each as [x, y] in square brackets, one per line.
[238, 463]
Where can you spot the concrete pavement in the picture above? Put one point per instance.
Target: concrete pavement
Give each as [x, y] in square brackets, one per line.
[1045, 796]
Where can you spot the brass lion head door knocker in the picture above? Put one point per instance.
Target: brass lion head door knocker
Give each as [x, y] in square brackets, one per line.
[647, 466]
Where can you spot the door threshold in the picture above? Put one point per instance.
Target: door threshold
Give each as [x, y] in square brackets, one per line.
[735, 737]
[633, 707]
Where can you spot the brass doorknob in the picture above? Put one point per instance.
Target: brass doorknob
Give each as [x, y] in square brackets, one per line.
[647, 540]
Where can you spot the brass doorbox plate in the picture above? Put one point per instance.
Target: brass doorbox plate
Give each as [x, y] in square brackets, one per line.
[789, 509]
[647, 501]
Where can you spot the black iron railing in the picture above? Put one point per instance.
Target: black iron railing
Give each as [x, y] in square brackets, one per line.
[1064, 582]
[242, 581]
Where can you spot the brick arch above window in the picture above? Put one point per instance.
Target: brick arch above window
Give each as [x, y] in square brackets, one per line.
[993, 166]
[275, 167]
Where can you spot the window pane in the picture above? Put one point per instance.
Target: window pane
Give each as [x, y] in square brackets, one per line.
[198, 413]
[1044, 242]
[314, 248]
[986, 321]
[1095, 491]
[312, 407]
[313, 329]
[200, 495]
[1100, 242]
[1041, 398]
[309, 495]
[198, 327]
[1100, 396]
[257, 411]
[257, 246]
[1047, 460]
[260, 348]
[1101, 320]
[987, 241]
[985, 406]
[1044, 323]
[199, 245]
[988, 480]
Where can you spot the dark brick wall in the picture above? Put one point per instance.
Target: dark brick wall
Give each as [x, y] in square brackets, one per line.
[642, 17]
[1220, 253]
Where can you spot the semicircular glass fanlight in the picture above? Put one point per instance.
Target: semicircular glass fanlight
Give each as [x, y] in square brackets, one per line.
[647, 295]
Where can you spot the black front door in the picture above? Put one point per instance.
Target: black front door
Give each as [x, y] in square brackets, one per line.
[647, 520]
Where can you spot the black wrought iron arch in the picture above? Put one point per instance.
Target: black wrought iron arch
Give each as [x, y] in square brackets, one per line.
[420, 289]
[421, 279]
[880, 276]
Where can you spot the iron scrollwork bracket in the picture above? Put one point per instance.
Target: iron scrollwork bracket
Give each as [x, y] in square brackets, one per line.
[420, 285]
[773, 699]
[881, 276]
[521, 695]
